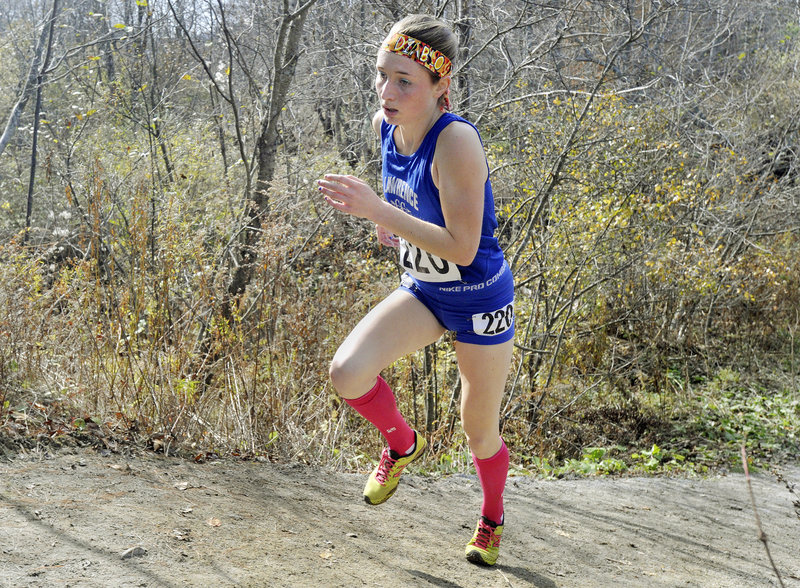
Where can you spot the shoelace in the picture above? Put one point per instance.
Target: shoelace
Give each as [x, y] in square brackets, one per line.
[484, 536]
[384, 467]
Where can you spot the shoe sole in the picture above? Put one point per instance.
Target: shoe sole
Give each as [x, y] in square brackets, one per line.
[476, 558]
[388, 496]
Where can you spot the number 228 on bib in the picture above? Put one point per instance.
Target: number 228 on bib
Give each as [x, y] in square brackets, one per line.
[495, 322]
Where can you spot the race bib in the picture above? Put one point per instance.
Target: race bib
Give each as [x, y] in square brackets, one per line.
[425, 266]
[493, 323]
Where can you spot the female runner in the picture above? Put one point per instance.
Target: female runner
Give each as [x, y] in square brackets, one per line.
[439, 211]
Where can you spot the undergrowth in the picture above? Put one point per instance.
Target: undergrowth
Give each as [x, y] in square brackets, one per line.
[641, 347]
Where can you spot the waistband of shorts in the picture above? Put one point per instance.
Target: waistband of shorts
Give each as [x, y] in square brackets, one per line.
[458, 287]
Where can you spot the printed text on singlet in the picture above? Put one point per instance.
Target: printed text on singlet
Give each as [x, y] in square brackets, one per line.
[424, 266]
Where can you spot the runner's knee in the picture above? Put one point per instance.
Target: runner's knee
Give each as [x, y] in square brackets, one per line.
[349, 377]
[483, 439]
[337, 372]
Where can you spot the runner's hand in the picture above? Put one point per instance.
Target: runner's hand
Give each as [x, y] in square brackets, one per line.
[351, 195]
[387, 238]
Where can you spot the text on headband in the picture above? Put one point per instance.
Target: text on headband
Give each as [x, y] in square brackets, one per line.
[422, 53]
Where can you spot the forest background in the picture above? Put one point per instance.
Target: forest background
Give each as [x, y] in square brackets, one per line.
[169, 276]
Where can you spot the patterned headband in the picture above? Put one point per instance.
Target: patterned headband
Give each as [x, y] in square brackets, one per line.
[422, 53]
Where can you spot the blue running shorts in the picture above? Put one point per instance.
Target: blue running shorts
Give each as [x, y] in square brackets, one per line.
[482, 314]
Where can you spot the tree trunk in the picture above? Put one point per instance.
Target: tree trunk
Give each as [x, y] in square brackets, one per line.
[217, 114]
[35, 72]
[285, 63]
[464, 30]
[39, 81]
[431, 389]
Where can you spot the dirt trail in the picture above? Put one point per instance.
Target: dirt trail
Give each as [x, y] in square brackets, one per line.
[78, 518]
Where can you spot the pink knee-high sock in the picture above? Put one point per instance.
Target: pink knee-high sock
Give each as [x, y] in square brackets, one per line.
[379, 407]
[492, 473]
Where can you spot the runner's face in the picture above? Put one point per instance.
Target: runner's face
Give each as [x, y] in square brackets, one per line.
[405, 88]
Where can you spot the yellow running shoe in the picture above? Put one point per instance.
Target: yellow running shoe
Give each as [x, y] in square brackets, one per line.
[384, 478]
[485, 544]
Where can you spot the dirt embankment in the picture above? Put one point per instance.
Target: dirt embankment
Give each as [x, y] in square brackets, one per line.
[80, 518]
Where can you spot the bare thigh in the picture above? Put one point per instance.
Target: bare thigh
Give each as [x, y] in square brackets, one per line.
[483, 369]
[399, 325]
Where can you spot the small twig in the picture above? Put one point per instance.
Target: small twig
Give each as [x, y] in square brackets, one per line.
[505, 578]
[761, 535]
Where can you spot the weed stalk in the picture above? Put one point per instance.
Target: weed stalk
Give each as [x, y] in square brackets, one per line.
[761, 535]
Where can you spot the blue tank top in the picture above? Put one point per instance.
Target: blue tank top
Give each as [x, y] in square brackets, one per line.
[408, 185]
